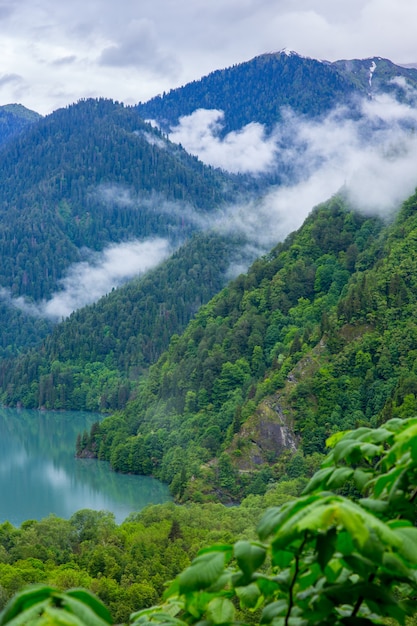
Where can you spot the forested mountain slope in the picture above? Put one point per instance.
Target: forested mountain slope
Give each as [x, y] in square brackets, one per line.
[258, 90]
[54, 182]
[280, 324]
[92, 359]
[85, 177]
[15, 119]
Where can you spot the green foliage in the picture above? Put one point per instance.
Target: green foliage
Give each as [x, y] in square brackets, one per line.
[321, 558]
[124, 565]
[89, 360]
[239, 348]
[15, 119]
[43, 605]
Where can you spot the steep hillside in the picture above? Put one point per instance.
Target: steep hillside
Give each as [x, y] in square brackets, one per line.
[376, 75]
[203, 399]
[91, 360]
[85, 177]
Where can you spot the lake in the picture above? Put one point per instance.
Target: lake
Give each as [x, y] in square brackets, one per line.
[39, 474]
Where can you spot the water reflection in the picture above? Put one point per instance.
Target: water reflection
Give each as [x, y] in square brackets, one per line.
[39, 474]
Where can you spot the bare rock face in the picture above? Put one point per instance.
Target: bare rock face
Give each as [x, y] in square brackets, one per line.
[269, 431]
[264, 436]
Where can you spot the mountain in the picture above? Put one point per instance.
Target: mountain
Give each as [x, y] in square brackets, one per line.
[84, 178]
[258, 90]
[95, 175]
[14, 119]
[92, 360]
[318, 337]
[211, 411]
[255, 91]
[377, 75]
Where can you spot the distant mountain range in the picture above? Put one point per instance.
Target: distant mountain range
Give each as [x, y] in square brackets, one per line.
[258, 90]
[95, 179]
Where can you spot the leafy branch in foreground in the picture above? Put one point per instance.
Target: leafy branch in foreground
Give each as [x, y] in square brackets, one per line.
[322, 558]
[40, 605]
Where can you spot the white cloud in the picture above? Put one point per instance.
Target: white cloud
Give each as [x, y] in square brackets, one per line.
[86, 282]
[132, 51]
[373, 155]
[371, 158]
[246, 150]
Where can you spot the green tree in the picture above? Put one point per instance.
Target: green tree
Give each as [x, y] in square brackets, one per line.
[321, 558]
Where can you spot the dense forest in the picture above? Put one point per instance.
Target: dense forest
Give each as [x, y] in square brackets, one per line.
[316, 338]
[125, 565]
[342, 552]
[260, 89]
[14, 119]
[55, 201]
[83, 178]
[92, 359]
[239, 349]
[275, 81]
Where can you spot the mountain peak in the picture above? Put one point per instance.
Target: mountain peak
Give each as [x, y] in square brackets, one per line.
[20, 111]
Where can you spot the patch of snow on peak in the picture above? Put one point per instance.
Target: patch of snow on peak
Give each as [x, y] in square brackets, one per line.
[371, 72]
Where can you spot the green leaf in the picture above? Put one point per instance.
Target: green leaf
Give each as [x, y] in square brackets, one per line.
[249, 595]
[395, 566]
[339, 477]
[408, 548]
[273, 610]
[57, 617]
[92, 601]
[325, 547]
[267, 586]
[203, 571]
[335, 438]
[319, 480]
[249, 556]
[282, 558]
[360, 621]
[361, 478]
[359, 564]
[379, 506]
[84, 612]
[309, 577]
[25, 599]
[29, 615]
[275, 517]
[220, 611]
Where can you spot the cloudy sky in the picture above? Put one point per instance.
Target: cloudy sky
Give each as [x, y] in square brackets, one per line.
[53, 53]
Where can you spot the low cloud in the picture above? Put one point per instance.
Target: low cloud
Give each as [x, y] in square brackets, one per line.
[152, 139]
[87, 281]
[246, 150]
[369, 156]
[115, 195]
[370, 153]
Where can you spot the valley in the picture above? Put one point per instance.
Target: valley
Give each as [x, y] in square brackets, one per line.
[229, 308]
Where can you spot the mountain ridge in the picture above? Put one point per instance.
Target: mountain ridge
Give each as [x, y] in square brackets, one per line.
[344, 79]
